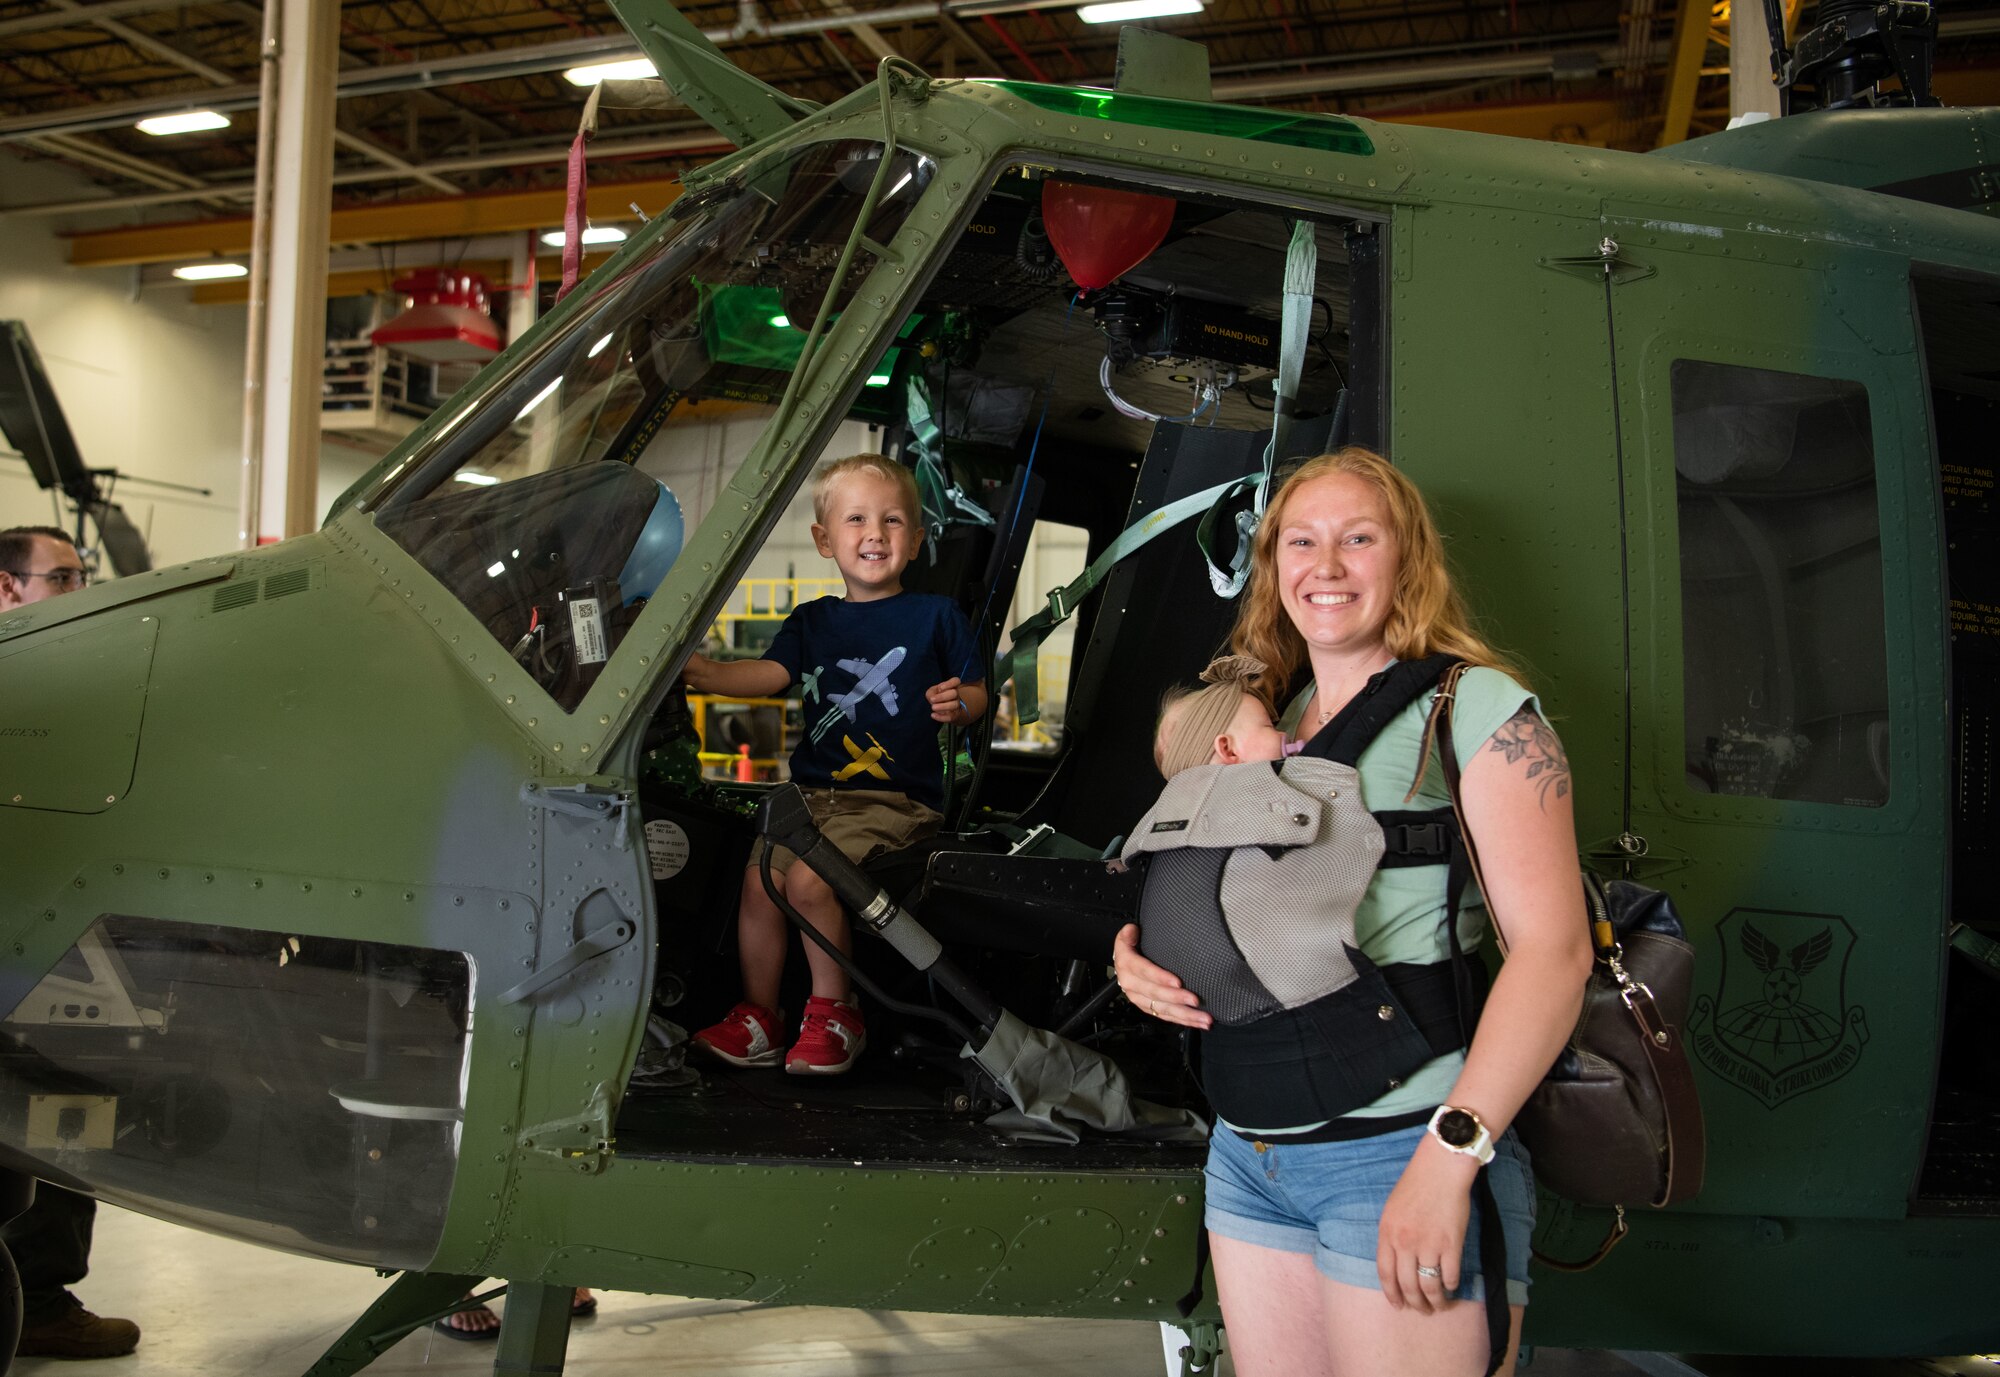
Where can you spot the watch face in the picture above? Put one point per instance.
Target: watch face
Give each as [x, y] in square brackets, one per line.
[1458, 1128]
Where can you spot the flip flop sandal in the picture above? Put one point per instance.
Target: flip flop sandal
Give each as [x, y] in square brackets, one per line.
[466, 1336]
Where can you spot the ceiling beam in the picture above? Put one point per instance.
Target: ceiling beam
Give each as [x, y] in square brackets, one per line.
[489, 65]
[870, 37]
[78, 148]
[80, 16]
[695, 143]
[356, 81]
[187, 62]
[498, 273]
[458, 217]
[355, 143]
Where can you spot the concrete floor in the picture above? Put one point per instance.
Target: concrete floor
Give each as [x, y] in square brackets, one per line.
[213, 1308]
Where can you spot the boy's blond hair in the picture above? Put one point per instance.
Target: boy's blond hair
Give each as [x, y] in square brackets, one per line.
[881, 466]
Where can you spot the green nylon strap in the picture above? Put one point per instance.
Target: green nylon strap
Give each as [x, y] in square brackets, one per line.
[944, 502]
[1301, 268]
[1019, 661]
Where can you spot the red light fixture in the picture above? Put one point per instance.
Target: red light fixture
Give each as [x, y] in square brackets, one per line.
[445, 320]
[1102, 233]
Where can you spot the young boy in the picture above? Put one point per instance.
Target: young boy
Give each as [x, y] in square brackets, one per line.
[1220, 723]
[881, 669]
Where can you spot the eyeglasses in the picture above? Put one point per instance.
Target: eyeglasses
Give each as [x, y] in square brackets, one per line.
[68, 580]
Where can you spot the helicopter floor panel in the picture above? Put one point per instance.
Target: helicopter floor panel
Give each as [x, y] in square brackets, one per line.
[1962, 1167]
[877, 1115]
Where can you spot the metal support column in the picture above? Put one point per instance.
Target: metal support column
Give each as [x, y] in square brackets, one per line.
[1751, 90]
[521, 300]
[1684, 70]
[293, 328]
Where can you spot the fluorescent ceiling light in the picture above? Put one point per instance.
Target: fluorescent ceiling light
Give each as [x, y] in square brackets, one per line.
[496, 569]
[781, 322]
[626, 69]
[598, 347]
[210, 272]
[479, 480]
[186, 122]
[596, 234]
[878, 380]
[1119, 11]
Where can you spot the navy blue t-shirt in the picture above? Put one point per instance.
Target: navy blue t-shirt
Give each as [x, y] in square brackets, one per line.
[863, 667]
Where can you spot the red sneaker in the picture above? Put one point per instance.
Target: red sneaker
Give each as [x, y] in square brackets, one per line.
[831, 1037]
[746, 1036]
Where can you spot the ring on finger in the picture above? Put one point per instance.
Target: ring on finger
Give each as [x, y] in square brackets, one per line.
[1434, 1273]
[1153, 1007]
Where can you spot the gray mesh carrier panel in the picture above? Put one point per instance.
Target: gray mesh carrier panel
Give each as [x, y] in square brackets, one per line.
[1176, 930]
[1253, 879]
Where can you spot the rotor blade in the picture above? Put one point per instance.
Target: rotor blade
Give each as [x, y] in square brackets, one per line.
[32, 419]
[119, 538]
[742, 108]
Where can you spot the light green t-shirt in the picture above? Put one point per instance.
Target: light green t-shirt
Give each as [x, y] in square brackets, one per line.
[1401, 918]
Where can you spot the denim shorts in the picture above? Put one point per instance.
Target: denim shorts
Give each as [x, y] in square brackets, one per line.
[1326, 1199]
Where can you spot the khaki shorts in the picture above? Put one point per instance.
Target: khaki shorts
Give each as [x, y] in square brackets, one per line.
[861, 824]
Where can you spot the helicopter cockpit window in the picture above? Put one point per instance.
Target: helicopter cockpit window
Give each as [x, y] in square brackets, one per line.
[302, 1091]
[553, 504]
[1781, 586]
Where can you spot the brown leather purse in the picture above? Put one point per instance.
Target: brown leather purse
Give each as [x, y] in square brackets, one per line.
[1616, 1121]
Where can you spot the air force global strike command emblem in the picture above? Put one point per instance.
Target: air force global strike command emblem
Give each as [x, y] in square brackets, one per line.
[1779, 1023]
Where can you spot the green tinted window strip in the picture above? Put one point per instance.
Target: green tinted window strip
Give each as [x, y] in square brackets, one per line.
[1327, 133]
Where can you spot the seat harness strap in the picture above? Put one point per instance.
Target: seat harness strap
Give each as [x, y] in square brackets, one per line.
[1019, 660]
[1301, 267]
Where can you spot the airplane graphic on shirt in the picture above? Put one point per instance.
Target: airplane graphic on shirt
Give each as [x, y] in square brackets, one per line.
[871, 680]
[864, 762]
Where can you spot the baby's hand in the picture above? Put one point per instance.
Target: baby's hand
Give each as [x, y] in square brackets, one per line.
[946, 704]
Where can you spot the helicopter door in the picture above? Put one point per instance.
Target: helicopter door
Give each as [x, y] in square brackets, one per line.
[1784, 605]
[1960, 320]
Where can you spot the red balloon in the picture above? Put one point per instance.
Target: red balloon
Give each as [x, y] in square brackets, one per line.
[1101, 234]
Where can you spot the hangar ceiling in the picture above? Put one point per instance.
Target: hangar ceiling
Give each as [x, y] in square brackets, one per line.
[445, 101]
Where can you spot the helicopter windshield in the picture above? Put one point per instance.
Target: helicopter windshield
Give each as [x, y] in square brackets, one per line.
[554, 502]
[304, 1092]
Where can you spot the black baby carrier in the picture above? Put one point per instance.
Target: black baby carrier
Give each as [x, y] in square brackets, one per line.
[1252, 879]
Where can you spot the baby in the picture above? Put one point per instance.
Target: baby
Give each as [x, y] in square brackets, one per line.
[1222, 723]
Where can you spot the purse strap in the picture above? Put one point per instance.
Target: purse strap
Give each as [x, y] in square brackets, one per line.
[1665, 1055]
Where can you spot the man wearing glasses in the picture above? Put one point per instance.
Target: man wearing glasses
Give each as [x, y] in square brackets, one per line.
[51, 1241]
[37, 562]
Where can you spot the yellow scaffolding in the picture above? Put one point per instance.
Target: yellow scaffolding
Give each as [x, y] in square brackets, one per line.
[758, 600]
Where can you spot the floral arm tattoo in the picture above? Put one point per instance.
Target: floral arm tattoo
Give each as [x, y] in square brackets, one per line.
[1525, 736]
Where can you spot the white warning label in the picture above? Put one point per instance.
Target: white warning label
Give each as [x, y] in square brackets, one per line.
[666, 848]
[586, 624]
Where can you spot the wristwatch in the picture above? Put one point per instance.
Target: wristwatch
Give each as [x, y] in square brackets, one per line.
[1462, 1131]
